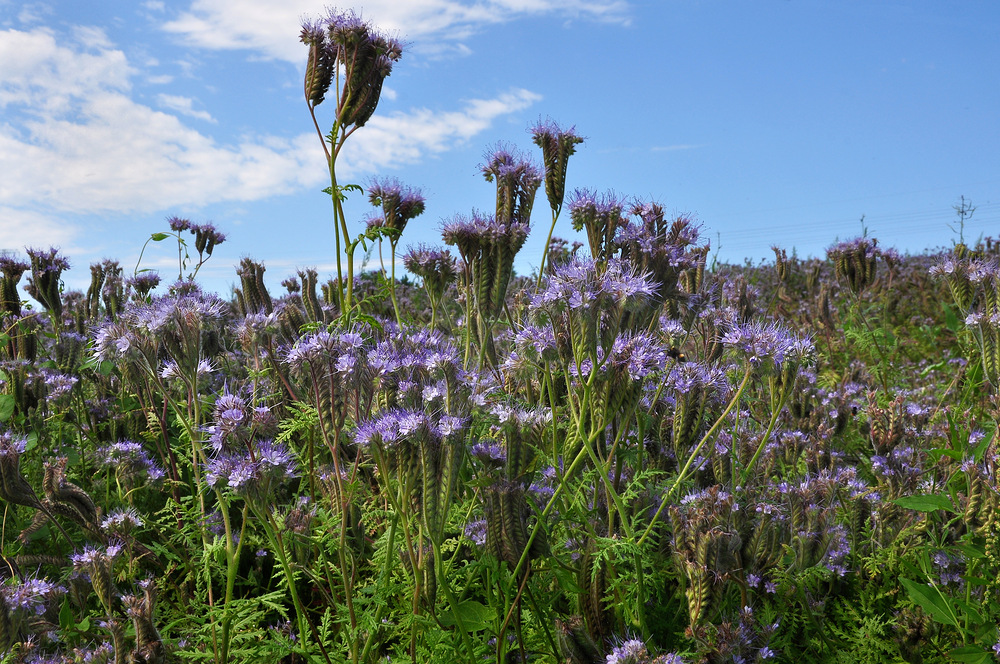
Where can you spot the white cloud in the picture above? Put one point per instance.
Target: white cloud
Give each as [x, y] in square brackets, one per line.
[184, 106]
[264, 25]
[397, 138]
[73, 140]
[34, 13]
[26, 228]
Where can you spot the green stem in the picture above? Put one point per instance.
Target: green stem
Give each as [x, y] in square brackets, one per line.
[392, 286]
[545, 251]
[681, 476]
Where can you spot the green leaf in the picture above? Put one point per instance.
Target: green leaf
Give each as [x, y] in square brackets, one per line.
[84, 624]
[7, 404]
[973, 612]
[950, 317]
[66, 615]
[974, 654]
[475, 616]
[931, 601]
[926, 503]
[157, 237]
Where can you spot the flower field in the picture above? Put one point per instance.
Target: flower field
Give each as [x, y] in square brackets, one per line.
[637, 455]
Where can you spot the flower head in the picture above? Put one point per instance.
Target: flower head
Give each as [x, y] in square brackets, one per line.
[399, 203]
[557, 146]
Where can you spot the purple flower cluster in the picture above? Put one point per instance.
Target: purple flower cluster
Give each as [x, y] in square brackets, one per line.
[237, 423]
[399, 204]
[767, 345]
[343, 40]
[587, 287]
[31, 596]
[130, 461]
[404, 426]
[253, 472]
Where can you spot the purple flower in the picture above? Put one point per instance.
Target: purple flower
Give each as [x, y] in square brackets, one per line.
[491, 453]
[767, 344]
[399, 203]
[130, 460]
[143, 283]
[121, 521]
[632, 651]
[252, 475]
[476, 531]
[178, 224]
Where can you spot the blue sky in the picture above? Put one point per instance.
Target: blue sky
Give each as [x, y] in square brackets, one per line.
[771, 122]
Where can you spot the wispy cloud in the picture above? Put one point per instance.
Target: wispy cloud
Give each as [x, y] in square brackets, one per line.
[184, 106]
[263, 25]
[400, 138]
[75, 141]
[27, 228]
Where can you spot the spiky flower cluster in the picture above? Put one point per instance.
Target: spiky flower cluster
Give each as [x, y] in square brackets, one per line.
[399, 205]
[601, 216]
[856, 261]
[253, 472]
[44, 285]
[342, 41]
[557, 145]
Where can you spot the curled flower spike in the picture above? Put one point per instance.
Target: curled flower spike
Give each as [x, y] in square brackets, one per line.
[11, 270]
[343, 40]
[517, 180]
[856, 261]
[46, 272]
[601, 216]
[557, 146]
[399, 203]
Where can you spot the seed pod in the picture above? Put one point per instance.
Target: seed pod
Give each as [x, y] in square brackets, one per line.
[102, 581]
[975, 500]
[430, 461]
[991, 356]
[575, 644]
[118, 640]
[698, 592]
[494, 522]
[515, 534]
[594, 582]
[13, 487]
[60, 491]
[430, 584]
[139, 608]
[319, 69]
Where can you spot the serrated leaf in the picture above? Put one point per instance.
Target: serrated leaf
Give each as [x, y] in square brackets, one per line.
[926, 502]
[931, 601]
